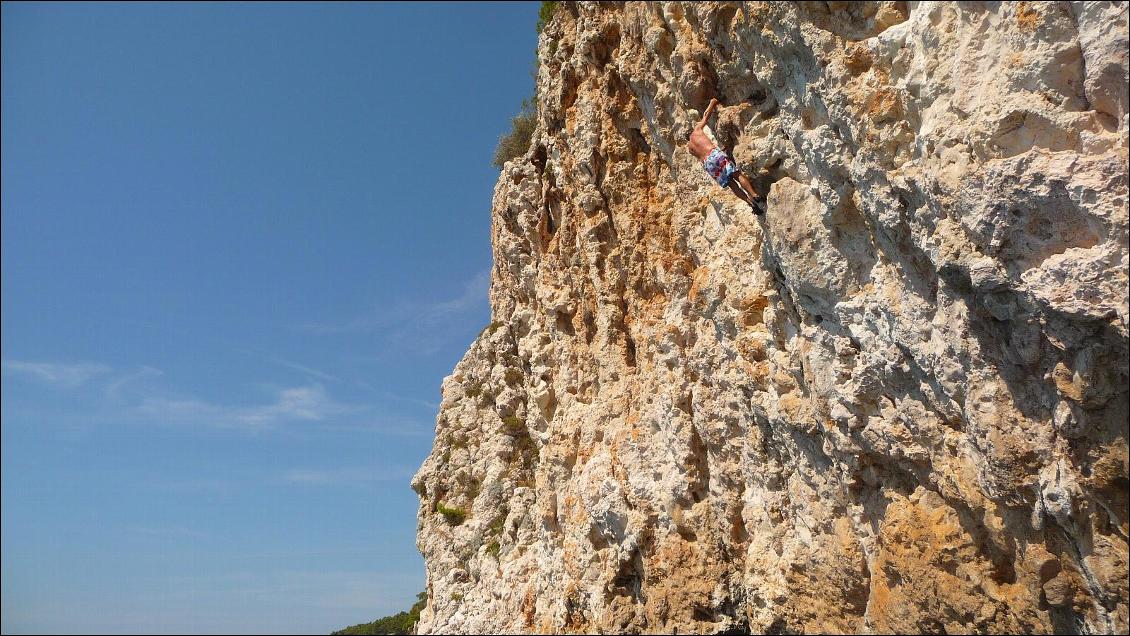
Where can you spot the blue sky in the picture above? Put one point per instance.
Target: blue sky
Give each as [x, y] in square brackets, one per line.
[242, 245]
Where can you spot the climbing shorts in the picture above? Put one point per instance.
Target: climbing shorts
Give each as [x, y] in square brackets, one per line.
[719, 167]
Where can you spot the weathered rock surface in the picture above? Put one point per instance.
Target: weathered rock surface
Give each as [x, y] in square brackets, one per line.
[897, 403]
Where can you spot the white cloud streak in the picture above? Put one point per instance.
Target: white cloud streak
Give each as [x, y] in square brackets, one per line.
[133, 397]
[290, 364]
[114, 388]
[302, 403]
[61, 374]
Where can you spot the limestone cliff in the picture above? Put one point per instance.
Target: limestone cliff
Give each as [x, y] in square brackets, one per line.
[896, 403]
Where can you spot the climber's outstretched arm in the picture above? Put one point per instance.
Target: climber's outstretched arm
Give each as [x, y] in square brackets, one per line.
[706, 115]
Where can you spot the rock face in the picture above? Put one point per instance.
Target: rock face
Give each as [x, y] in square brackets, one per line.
[896, 403]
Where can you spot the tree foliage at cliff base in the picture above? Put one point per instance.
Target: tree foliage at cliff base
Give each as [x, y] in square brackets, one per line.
[399, 623]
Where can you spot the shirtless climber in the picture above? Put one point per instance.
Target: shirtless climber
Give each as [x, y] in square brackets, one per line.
[720, 166]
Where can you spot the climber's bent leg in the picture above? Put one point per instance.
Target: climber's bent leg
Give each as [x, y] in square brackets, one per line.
[748, 187]
[745, 190]
[737, 189]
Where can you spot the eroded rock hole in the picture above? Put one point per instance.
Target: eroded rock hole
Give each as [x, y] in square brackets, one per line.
[638, 141]
[551, 216]
[698, 468]
[629, 578]
[564, 323]
[738, 531]
[604, 49]
[540, 157]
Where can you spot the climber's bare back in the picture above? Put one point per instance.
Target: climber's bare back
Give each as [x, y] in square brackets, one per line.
[699, 144]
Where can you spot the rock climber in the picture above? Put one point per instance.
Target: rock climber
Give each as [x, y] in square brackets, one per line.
[720, 166]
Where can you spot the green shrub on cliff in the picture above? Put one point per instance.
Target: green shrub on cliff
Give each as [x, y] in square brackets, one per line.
[545, 14]
[493, 548]
[517, 141]
[514, 425]
[453, 516]
[491, 328]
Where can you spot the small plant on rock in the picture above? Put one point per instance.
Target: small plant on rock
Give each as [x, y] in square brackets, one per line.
[490, 329]
[495, 528]
[453, 516]
[514, 425]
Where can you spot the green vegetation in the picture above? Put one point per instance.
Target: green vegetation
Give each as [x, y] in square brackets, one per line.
[473, 390]
[495, 528]
[453, 516]
[516, 142]
[545, 14]
[399, 623]
[493, 548]
[514, 425]
[491, 328]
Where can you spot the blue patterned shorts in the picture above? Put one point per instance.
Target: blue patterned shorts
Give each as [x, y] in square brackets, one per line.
[719, 167]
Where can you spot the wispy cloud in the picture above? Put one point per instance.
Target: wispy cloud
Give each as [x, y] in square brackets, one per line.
[61, 374]
[114, 388]
[290, 364]
[296, 403]
[424, 324]
[302, 403]
[135, 396]
[424, 404]
[474, 292]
